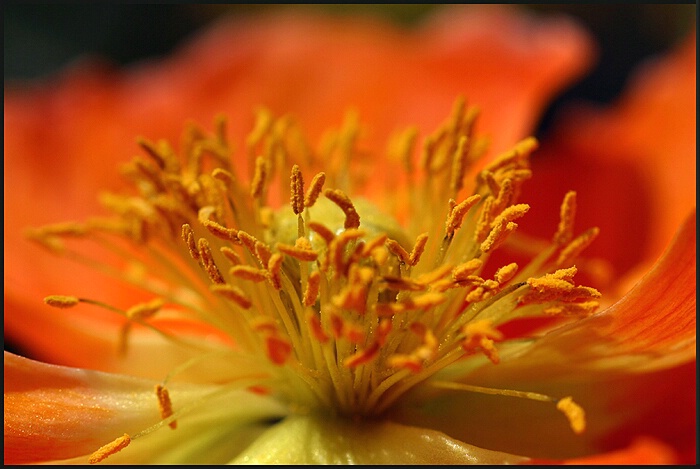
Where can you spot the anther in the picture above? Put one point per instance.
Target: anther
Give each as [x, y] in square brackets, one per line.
[323, 231]
[396, 249]
[274, 266]
[208, 261]
[314, 189]
[246, 272]
[297, 190]
[459, 162]
[60, 301]
[418, 249]
[506, 273]
[297, 252]
[278, 349]
[462, 271]
[338, 197]
[188, 237]
[165, 405]
[145, 310]
[575, 247]
[573, 412]
[233, 293]
[231, 255]
[454, 220]
[256, 187]
[312, 288]
[110, 449]
[567, 214]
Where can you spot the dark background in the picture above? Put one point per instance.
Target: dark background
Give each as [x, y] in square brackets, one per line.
[42, 38]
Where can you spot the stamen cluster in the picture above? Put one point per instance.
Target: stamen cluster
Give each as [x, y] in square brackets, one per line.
[350, 309]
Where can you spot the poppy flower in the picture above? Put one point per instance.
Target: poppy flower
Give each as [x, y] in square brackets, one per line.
[256, 297]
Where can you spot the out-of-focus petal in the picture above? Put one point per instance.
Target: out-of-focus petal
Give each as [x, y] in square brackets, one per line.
[319, 440]
[55, 412]
[59, 413]
[65, 139]
[633, 165]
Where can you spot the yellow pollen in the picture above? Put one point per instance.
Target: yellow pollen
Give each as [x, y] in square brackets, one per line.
[256, 188]
[322, 231]
[208, 261]
[303, 254]
[567, 215]
[110, 449]
[188, 237]
[232, 293]
[338, 197]
[145, 310]
[456, 217]
[573, 412]
[60, 301]
[165, 405]
[297, 189]
[462, 271]
[396, 249]
[418, 249]
[352, 316]
[231, 255]
[312, 288]
[246, 272]
[576, 246]
[314, 189]
[274, 266]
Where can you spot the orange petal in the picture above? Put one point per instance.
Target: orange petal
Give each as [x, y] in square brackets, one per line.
[643, 451]
[54, 412]
[65, 138]
[633, 164]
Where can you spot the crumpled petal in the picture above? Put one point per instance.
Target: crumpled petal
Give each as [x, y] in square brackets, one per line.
[640, 155]
[323, 439]
[631, 367]
[57, 413]
[651, 327]
[85, 121]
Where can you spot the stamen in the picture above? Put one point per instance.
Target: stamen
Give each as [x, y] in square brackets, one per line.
[256, 187]
[165, 405]
[60, 301]
[145, 310]
[567, 214]
[418, 249]
[396, 249]
[110, 449]
[247, 272]
[231, 255]
[188, 237]
[454, 220]
[274, 266]
[574, 413]
[233, 293]
[314, 189]
[338, 197]
[302, 254]
[323, 231]
[208, 261]
[459, 162]
[297, 190]
[575, 247]
[312, 288]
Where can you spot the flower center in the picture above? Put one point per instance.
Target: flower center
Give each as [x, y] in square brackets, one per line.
[348, 308]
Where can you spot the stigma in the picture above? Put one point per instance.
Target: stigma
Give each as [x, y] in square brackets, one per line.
[351, 295]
